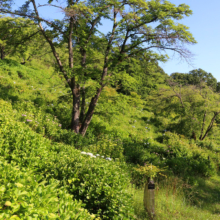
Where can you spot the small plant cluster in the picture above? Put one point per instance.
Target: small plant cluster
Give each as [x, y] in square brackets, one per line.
[140, 174]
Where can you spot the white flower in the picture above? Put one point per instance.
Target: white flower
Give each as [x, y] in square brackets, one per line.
[90, 154]
[133, 126]
[102, 156]
[108, 158]
[97, 155]
[83, 152]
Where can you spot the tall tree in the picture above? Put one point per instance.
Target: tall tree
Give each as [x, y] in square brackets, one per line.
[131, 34]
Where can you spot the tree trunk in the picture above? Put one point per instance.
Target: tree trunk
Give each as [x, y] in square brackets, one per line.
[76, 107]
[210, 125]
[90, 112]
[70, 43]
[2, 53]
[94, 101]
[83, 104]
[203, 125]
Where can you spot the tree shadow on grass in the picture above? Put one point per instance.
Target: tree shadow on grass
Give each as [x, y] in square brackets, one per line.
[6, 93]
[206, 194]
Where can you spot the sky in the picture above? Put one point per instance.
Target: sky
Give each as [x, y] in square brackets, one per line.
[204, 24]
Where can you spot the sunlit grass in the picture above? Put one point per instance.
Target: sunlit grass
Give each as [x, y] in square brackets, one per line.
[201, 202]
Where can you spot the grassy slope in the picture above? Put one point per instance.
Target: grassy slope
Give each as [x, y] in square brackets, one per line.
[200, 202]
[33, 90]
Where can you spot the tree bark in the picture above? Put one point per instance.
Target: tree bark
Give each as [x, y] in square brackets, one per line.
[76, 106]
[90, 112]
[83, 104]
[203, 125]
[2, 53]
[94, 100]
[210, 125]
[70, 43]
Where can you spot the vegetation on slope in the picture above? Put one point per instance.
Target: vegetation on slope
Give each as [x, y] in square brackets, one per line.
[144, 123]
[134, 135]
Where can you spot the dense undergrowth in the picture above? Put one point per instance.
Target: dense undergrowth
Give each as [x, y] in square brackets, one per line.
[36, 144]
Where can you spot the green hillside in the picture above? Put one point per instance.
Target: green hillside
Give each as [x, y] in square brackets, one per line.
[88, 117]
[35, 140]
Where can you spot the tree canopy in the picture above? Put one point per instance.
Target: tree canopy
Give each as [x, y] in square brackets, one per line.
[20, 37]
[137, 27]
[195, 77]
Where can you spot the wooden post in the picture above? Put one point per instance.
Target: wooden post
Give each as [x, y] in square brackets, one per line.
[149, 201]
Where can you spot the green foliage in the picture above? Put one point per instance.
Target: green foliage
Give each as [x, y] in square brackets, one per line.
[88, 68]
[141, 74]
[188, 109]
[195, 77]
[100, 184]
[130, 119]
[25, 195]
[141, 174]
[21, 38]
[107, 146]
[187, 159]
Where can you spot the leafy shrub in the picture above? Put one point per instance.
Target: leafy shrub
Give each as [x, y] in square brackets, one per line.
[24, 196]
[100, 184]
[207, 144]
[187, 159]
[141, 152]
[140, 174]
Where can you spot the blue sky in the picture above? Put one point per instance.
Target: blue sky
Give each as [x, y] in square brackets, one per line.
[204, 24]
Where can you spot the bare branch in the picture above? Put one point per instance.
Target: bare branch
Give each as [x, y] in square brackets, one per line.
[51, 45]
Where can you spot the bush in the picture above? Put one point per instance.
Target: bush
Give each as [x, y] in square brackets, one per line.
[24, 196]
[186, 159]
[100, 184]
